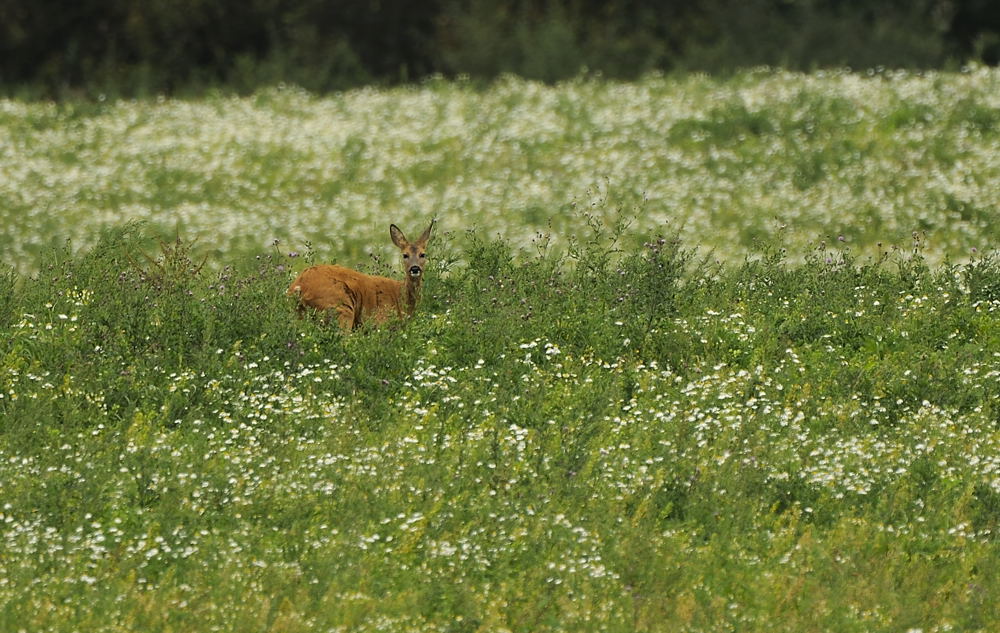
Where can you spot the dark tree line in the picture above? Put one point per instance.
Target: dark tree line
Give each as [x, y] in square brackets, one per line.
[152, 46]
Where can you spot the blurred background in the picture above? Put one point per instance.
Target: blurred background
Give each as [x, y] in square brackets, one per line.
[148, 47]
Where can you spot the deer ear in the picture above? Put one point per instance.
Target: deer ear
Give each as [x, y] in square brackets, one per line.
[397, 236]
[426, 235]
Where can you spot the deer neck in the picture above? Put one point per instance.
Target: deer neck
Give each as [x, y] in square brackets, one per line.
[411, 293]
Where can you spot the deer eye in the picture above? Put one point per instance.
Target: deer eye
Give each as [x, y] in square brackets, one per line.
[423, 255]
[406, 256]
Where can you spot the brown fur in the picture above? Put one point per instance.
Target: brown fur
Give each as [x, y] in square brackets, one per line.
[357, 297]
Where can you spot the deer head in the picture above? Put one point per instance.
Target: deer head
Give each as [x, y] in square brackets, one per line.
[414, 253]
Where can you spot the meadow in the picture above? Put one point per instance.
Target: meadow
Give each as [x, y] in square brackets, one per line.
[694, 354]
[728, 164]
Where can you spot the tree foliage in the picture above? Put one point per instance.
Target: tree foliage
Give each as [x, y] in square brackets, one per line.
[125, 47]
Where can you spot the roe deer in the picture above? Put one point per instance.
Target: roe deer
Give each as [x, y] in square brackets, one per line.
[357, 297]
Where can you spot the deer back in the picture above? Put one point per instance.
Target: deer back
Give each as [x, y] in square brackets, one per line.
[349, 292]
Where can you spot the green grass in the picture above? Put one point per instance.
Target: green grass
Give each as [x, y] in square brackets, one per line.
[591, 441]
[595, 422]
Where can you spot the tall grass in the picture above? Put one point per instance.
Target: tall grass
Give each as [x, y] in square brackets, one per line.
[607, 437]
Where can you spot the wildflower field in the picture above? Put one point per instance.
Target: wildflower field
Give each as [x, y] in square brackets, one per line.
[693, 354]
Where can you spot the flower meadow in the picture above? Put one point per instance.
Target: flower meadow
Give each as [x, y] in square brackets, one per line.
[776, 411]
[730, 163]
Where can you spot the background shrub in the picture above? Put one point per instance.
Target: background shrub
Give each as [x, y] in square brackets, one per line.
[122, 47]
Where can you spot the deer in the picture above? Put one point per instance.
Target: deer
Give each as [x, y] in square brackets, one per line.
[357, 298]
